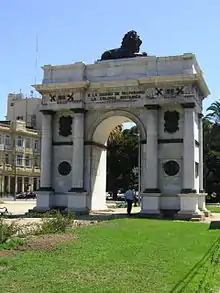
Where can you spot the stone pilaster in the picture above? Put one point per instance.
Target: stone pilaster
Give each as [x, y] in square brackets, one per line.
[151, 172]
[78, 151]
[45, 192]
[200, 116]
[151, 193]
[188, 149]
[46, 151]
[189, 200]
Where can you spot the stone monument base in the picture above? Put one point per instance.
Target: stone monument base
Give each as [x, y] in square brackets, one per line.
[192, 205]
[150, 205]
[77, 202]
[44, 200]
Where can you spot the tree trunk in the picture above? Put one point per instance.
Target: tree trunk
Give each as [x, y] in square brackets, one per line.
[115, 196]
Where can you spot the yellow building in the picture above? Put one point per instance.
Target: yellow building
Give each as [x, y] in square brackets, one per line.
[19, 158]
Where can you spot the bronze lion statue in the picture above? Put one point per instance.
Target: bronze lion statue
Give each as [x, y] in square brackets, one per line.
[130, 47]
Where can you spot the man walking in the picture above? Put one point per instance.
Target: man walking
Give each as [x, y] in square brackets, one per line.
[129, 197]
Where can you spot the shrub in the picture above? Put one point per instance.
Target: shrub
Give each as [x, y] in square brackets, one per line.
[58, 223]
[13, 243]
[7, 230]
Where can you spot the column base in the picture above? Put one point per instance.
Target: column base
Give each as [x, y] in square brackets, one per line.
[150, 204]
[44, 199]
[189, 207]
[77, 201]
[202, 204]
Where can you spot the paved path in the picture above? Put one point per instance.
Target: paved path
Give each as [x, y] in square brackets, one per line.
[18, 208]
[22, 207]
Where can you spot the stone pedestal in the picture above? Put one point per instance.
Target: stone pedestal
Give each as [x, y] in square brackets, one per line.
[189, 206]
[201, 203]
[77, 202]
[150, 204]
[44, 201]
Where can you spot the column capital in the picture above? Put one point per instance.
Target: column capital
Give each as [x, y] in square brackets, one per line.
[78, 110]
[152, 107]
[188, 105]
[47, 112]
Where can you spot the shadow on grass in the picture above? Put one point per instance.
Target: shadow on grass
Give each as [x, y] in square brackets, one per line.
[182, 284]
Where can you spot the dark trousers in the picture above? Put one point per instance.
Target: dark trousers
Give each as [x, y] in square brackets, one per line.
[129, 206]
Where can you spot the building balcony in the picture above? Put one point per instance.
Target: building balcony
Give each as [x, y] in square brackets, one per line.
[20, 168]
[19, 148]
[6, 167]
[36, 151]
[29, 150]
[8, 147]
[37, 169]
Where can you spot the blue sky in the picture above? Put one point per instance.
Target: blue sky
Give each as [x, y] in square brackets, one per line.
[70, 31]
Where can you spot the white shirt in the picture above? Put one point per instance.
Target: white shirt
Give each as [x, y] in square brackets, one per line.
[129, 194]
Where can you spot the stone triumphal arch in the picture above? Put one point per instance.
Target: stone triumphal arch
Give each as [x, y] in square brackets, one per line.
[82, 103]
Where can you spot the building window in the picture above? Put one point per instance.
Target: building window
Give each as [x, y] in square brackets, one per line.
[20, 141]
[19, 184]
[27, 161]
[33, 121]
[28, 143]
[6, 158]
[36, 162]
[19, 160]
[20, 118]
[26, 184]
[197, 169]
[36, 144]
[35, 184]
[8, 140]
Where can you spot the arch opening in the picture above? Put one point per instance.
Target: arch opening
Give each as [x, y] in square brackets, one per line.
[107, 174]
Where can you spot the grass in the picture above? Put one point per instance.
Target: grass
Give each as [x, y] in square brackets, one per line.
[120, 256]
[214, 209]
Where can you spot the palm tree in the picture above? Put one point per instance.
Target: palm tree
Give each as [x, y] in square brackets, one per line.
[214, 114]
[116, 134]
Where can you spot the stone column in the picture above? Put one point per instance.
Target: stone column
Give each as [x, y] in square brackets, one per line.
[22, 185]
[46, 151]
[150, 197]
[78, 151]
[200, 116]
[188, 149]
[9, 184]
[189, 200]
[44, 199]
[202, 203]
[77, 195]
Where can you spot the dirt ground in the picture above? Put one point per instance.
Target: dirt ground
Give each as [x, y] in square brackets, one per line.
[41, 243]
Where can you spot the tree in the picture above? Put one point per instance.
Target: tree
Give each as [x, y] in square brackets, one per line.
[122, 159]
[113, 161]
[211, 143]
[214, 115]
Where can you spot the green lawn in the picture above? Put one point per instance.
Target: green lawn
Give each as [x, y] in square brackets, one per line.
[127, 255]
[214, 209]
